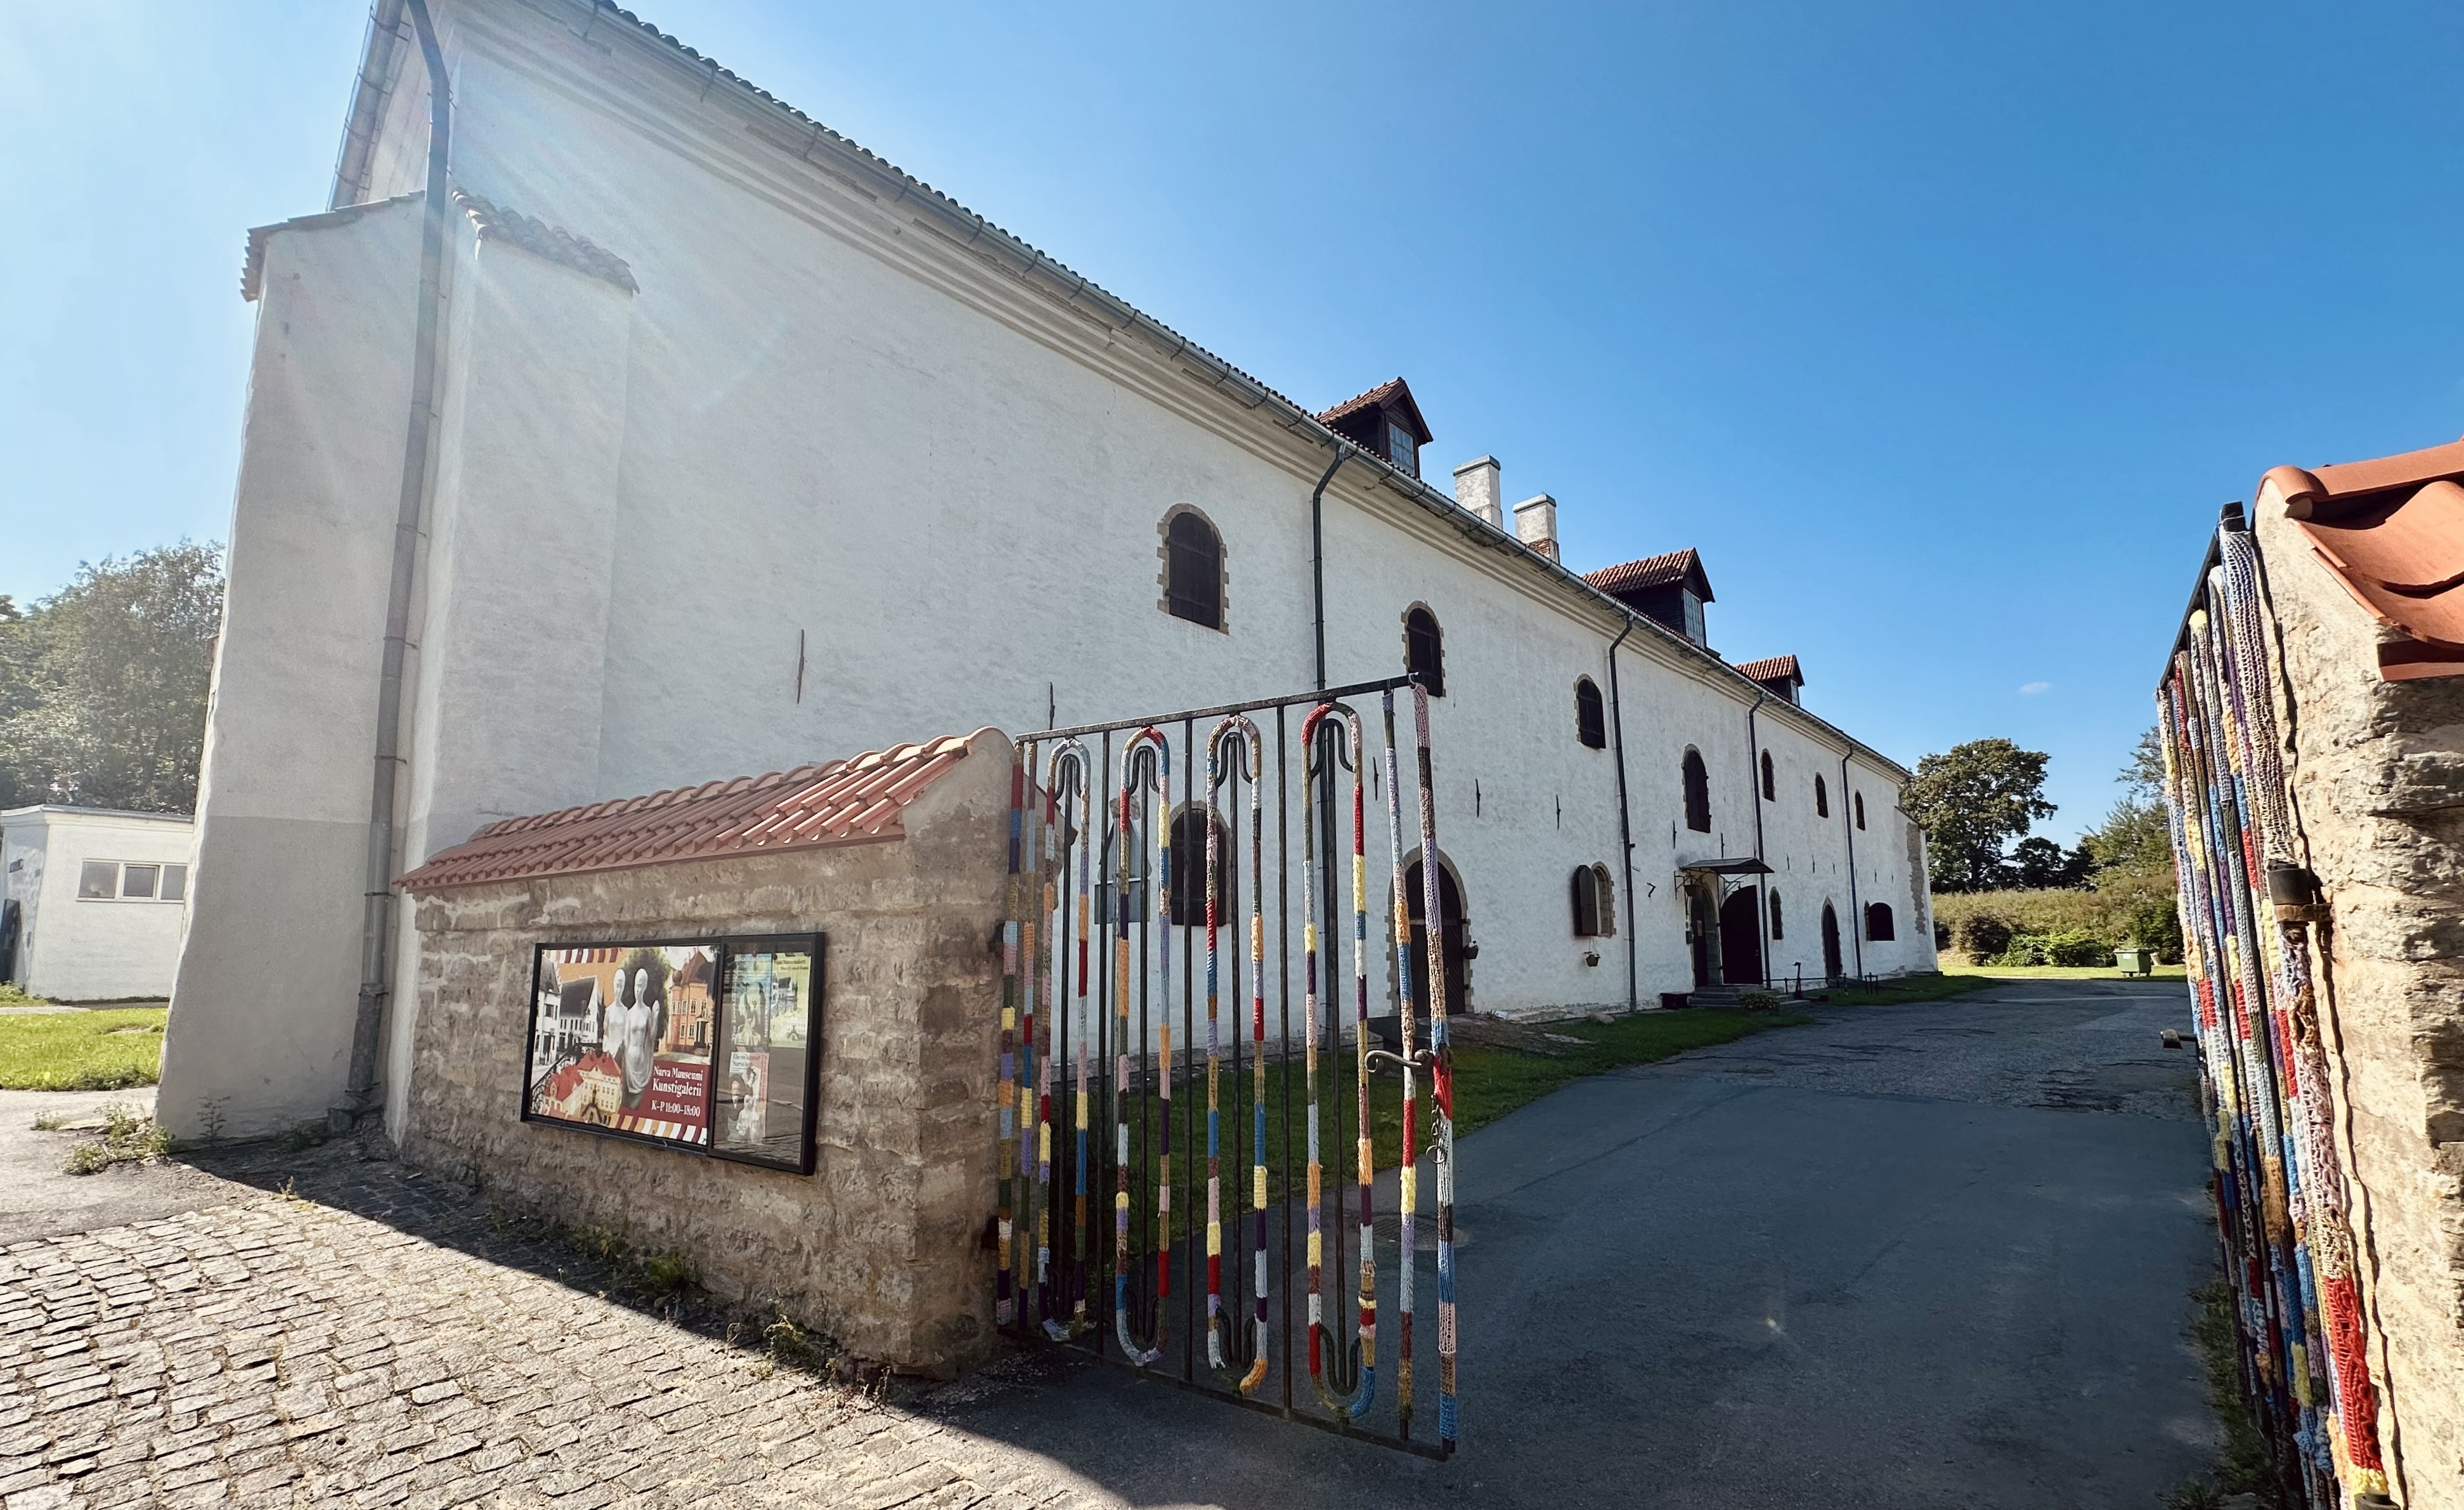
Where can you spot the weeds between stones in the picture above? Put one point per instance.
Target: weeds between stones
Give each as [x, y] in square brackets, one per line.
[129, 1137]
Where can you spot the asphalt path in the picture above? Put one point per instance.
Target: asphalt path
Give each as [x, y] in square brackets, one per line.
[1933, 1254]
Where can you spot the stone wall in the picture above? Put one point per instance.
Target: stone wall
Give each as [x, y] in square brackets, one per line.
[879, 1245]
[2377, 777]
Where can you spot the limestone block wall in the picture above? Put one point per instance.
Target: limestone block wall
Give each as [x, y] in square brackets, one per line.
[880, 1244]
[2377, 777]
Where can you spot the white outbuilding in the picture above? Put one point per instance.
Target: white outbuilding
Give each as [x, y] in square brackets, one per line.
[93, 902]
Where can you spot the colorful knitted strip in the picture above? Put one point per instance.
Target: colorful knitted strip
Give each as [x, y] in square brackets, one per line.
[1154, 774]
[1238, 737]
[2281, 1192]
[1345, 1406]
[1442, 1088]
[1005, 1093]
[1071, 777]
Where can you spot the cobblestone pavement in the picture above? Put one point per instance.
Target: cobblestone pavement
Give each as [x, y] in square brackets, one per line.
[1935, 1255]
[274, 1352]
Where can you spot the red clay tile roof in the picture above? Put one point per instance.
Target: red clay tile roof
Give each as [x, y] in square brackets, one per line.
[2390, 531]
[854, 801]
[1773, 668]
[1395, 391]
[2324, 492]
[2401, 559]
[1667, 569]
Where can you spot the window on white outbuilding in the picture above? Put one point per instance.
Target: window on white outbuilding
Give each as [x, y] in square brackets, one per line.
[98, 880]
[175, 883]
[138, 881]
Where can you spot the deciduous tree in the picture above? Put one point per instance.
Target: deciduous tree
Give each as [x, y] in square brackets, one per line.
[103, 684]
[1972, 800]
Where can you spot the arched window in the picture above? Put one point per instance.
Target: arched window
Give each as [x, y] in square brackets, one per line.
[1880, 928]
[1859, 799]
[1193, 558]
[1188, 891]
[1698, 792]
[1770, 780]
[1777, 932]
[1594, 903]
[1590, 719]
[1425, 649]
[1822, 797]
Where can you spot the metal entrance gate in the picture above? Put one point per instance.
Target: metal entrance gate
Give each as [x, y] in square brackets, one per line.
[1156, 872]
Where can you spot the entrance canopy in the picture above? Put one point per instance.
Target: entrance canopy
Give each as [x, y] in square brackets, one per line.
[1746, 865]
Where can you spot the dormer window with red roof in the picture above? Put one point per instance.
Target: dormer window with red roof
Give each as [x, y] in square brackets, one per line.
[1670, 588]
[1385, 422]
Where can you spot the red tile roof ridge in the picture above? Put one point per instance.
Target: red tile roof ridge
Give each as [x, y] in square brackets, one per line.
[856, 800]
[1360, 401]
[1770, 668]
[1652, 572]
[2304, 489]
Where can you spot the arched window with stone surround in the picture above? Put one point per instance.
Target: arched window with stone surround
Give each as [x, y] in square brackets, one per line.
[1771, 778]
[1881, 927]
[1860, 805]
[1425, 649]
[1590, 717]
[1698, 791]
[1822, 797]
[1594, 898]
[1193, 570]
[1777, 931]
[1187, 895]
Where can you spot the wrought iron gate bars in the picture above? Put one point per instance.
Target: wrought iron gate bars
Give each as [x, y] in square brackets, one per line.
[1044, 1043]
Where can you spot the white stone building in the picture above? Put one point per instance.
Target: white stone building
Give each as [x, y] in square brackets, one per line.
[93, 902]
[749, 450]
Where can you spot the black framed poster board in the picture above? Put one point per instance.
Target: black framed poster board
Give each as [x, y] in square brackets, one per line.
[707, 1045]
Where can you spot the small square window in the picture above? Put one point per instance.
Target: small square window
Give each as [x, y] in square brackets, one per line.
[137, 880]
[98, 880]
[175, 883]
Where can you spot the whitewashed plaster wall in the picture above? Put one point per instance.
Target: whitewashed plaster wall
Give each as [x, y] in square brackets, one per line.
[74, 949]
[823, 423]
[269, 974]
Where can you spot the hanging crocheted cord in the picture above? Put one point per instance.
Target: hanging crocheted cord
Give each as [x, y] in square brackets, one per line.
[2278, 1180]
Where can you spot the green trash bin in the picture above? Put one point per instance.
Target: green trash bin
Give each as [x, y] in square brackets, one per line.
[2134, 961]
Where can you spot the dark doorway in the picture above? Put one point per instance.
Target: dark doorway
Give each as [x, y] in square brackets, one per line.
[1832, 969]
[1741, 945]
[1698, 908]
[10, 923]
[1453, 940]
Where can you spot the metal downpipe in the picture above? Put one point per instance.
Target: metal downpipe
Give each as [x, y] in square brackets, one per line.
[376, 951]
[1762, 882]
[1317, 555]
[1626, 826]
[1856, 912]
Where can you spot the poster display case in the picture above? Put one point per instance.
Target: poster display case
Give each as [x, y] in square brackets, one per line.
[707, 1045]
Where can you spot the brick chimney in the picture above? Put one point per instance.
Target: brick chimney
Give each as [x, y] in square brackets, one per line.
[1476, 489]
[1535, 524]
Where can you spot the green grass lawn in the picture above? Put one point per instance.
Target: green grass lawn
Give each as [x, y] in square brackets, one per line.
[82, 1051]
[1908, 989]
[1490, 1083]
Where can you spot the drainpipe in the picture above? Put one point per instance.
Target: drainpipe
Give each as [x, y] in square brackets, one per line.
[1625, 827]
[1317, 553]
[1762, 882]
[376, 943]
[1856, 912]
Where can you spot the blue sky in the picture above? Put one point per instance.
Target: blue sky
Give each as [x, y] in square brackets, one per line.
[1941, 330]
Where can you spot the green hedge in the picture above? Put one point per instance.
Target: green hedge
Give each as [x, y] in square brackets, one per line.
[2002, 926]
